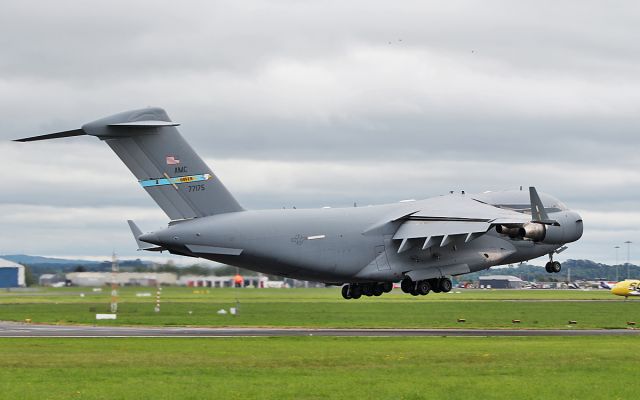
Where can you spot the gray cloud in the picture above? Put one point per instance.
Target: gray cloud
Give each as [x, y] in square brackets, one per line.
[327, 103]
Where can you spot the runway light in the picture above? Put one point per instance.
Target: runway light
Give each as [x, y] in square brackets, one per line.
[462, 320]
[515, 321]
[573, 322]
[631, 323]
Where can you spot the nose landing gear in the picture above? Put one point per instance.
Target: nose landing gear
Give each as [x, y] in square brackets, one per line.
[552, 267]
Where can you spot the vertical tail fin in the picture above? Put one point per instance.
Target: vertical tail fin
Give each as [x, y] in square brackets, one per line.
[149, 144]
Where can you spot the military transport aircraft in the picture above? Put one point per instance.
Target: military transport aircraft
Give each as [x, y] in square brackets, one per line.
[365, 249]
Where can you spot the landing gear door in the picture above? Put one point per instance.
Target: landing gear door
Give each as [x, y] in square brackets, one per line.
[381, 259]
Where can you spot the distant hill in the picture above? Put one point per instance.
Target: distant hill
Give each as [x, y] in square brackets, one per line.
[47, 265]
[579, 269]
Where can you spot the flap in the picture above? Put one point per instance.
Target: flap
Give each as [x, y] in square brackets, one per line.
[423, 229]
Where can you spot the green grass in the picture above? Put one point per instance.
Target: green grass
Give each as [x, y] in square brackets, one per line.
[177, 294]
[320, 368]
[324, 308]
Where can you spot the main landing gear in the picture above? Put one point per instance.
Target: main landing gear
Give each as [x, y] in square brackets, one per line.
[553, 267]
[357, 290]
[423, 287]
[415, 288]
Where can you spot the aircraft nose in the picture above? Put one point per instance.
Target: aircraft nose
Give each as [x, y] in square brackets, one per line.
[579, 226]
[618, 290]
[572, 224]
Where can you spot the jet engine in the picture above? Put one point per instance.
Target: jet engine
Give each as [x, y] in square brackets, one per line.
[513, 232]
[567, 228]
[550, 234]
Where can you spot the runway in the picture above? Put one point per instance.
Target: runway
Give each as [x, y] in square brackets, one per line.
[18, 330]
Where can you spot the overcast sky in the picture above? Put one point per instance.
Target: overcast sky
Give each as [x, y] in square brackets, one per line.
[322, 103]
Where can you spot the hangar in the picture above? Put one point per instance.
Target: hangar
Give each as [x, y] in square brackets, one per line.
[11, 274]
[121, 278]
[501, 282]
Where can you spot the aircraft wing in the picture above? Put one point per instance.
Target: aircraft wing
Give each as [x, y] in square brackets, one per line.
[446, 219]
[438, 233]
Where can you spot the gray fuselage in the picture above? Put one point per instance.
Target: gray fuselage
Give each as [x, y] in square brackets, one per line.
[337, 245]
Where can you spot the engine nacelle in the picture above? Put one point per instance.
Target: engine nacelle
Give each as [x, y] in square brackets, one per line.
[549, 234]
[513, 232]
[566, 228]
[534, 231]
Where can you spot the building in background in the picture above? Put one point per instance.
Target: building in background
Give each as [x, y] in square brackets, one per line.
[501, 282]
[11, 274]
[51, 280]
[229, 281]
[122, 278]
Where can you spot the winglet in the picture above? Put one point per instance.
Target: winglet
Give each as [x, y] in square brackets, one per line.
[142, 245]
[538, 213]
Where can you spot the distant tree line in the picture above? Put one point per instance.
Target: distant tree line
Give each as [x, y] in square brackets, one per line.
[578, 269]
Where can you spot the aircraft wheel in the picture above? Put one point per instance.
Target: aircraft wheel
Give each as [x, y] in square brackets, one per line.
[547, 267]
[445, 285]
[387, 287]
[367, 290]
[407, 285]
[378, 290]
[345, 292]
[355, 291]
[423, 287]
[556, 267]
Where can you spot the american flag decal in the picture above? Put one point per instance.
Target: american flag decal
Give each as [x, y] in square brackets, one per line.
[172, 160]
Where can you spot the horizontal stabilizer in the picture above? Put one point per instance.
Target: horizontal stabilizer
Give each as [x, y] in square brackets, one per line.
[145, 124]
[80, 132]
[57, 135]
